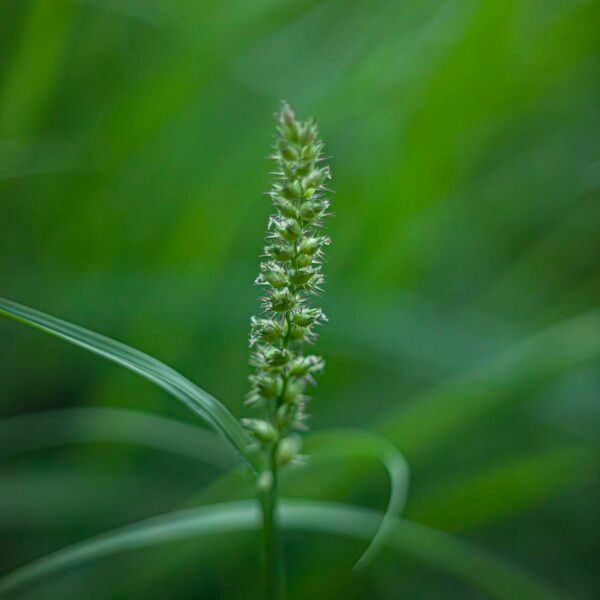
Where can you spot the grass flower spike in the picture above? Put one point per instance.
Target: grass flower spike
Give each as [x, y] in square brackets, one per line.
[291, 276]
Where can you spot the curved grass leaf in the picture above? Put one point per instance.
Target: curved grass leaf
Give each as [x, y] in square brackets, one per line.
[195, 398]
[479, 567]
[48, 429]
[53, 428]
[354, 443]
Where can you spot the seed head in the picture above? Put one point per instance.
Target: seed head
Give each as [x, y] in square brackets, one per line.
[291, 274]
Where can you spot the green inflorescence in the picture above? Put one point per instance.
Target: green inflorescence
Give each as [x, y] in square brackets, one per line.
[291, 274]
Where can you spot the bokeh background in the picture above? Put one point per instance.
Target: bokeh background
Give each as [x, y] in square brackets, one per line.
[462, 284]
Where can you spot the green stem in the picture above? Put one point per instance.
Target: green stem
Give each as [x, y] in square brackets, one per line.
[273, 569]
[272, 563]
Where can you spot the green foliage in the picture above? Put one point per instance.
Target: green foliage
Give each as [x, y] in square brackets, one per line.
[349, 445]
[463, 279]
[195, 398]
[345, 444]
[56, 428]
[484, 570]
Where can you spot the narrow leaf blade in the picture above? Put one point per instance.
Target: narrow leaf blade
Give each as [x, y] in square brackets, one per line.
[195, 398]
[483, 569]
[55, 428]
[347, 444]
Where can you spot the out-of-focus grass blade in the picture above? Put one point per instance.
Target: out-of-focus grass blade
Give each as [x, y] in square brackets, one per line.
[353, 443]
[501, 490]
[53, 428]
[195, 398]
[35, 68]
[169, 527]
[49, 429]
[439, 549]
[443, 412]
[52, 500]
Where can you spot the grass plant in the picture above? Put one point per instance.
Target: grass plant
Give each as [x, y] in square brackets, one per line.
[269, 441]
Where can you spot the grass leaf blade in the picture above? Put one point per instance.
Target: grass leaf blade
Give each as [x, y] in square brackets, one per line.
[55, 428]
[195, 398]
[354, 443]
[483, 569]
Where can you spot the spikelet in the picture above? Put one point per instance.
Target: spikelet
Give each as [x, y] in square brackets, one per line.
[291, 275]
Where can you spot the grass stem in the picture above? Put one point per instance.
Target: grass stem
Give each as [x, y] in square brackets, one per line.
[272, 557]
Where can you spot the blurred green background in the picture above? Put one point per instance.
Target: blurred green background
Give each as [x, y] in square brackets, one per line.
[462, 285]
